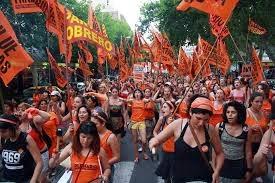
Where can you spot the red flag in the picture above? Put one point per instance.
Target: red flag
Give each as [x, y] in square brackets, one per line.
[257, 70]
[60, 79]
[255, 28]
[13, 57]
[221, 8]
[156, 47]
[167, 54]
[218, 27]
[24, 7]
[84, 66]
[114, 60]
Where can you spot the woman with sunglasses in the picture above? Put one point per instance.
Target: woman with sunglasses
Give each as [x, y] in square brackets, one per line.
[20, 155]
[89, 162]
[108, 140]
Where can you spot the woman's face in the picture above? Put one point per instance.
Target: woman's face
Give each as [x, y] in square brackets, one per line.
[257, 103]
[147, 93]
[45, 95]
[190, 93]
[166, 110]
[101, 89]
[198, 120]
[231, 114]
[137, 94]
[83, 114]
[89, 101]
[100, 126]
[237, 84]
[5, 133]
[204, 91]
[260, 89]
[167, 91]
[219, 94]
[77, 102]
[54, 98]
[7, 109]
[114, 92]
[43, 106]
[85, 140]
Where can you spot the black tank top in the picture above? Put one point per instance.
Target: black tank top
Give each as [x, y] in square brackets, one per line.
[18, 164]
[189, 164]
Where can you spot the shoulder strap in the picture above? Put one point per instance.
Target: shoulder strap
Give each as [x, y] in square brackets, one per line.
[221, 128]
[82, 165]
[200, 149]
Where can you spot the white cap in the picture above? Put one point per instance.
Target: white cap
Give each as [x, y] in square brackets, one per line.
[56, 93]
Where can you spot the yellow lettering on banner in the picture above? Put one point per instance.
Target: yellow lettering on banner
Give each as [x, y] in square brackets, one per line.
[87, 33]
[69, 15]
[94, 37]
[100, 41]
[78, 31]
[70, 33]
[74, 19]
[108, 45]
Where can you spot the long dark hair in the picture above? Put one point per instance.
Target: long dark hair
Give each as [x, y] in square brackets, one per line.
[88, 111]
[13, 126]
[87, 128]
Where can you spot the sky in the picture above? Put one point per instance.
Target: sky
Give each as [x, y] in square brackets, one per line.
[129, 8]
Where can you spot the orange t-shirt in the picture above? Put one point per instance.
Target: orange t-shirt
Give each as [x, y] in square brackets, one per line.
[50, 128]
[103, 143]
[217, 115]
[250, 121]
[138, 111]
[183, 110]
[226, 91]
[149, 110]
[90, 170]
[168, 145]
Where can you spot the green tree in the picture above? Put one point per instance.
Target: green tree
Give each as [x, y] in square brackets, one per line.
[186, 26]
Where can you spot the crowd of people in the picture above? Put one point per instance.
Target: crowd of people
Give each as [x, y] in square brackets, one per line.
[215, 129]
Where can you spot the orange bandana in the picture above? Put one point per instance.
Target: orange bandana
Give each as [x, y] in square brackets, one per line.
[202, 103]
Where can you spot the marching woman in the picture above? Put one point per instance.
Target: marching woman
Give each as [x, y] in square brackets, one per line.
[192, 143]
[165, 167]
[256, 120]
[108, 140]
[217, 108]
[237, 93]
[20, 155]
[138, 126]
[150, 109]
[117, 113]
[88, 162]
[236, 143]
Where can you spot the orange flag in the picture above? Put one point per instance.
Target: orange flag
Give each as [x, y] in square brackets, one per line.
[60, 79]
[183, 63]
[70, 70]
[225, 61]
[195, 68]
[257, 70]
[255, 28]
[88, 55]
[156, 47]
[24, 7]
[167, 54]
[218, 27]
[221, 8]
[114, 60]
[84, 66]
[13, 57]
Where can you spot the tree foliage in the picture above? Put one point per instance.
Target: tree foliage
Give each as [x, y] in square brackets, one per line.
[186, 26]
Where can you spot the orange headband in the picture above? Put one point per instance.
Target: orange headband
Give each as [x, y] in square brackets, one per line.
[202, 103]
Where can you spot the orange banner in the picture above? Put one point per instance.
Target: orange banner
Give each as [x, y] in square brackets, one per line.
[221, 8]
[23, 6]
[255, 28]
[257, 70]
[60, 79]
[217, 26]
[114, 60]
[13, 57]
